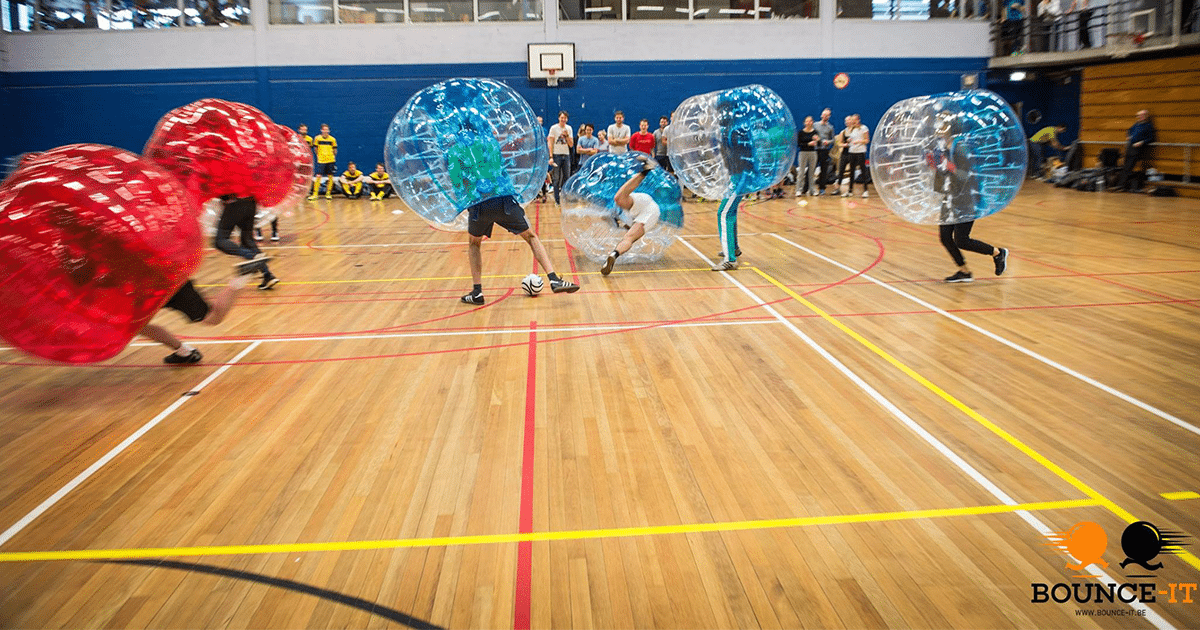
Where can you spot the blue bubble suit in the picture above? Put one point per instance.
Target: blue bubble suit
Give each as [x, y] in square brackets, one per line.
[593, 223]
[948, 158]
[463, 141]
[732, 142]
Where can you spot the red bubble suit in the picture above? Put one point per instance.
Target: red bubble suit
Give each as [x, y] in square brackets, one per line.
[93, 241]
[300, 161]
[219, 148]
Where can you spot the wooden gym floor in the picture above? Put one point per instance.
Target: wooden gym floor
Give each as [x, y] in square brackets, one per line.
[827, 437]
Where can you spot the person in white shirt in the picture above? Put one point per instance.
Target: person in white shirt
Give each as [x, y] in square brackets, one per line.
[618, 134]
[560, 141]
[638, 211]
[857, 138]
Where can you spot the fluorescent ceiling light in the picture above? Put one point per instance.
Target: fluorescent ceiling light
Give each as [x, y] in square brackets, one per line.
[642, 7]
[1017, 76]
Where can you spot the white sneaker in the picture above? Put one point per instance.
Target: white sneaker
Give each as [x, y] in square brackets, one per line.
[865, 195]
[845, 194]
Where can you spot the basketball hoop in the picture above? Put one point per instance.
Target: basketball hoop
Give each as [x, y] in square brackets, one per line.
[551, 81]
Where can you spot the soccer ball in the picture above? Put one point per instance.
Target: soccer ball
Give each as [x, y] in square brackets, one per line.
[532, 284]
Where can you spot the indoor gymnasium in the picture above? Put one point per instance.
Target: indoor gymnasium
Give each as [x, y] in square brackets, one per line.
[599, 314]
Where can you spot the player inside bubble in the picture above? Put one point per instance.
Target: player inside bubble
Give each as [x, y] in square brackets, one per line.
[621, 206]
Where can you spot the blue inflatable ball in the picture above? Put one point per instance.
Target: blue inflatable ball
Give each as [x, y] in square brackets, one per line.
[463, 141]
[594, 224]
[732, 142]
[948, 158]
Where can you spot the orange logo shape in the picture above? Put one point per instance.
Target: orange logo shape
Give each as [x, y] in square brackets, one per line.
[1085, 541]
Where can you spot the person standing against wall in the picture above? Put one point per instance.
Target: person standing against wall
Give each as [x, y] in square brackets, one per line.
[560, 141]
[618, 134]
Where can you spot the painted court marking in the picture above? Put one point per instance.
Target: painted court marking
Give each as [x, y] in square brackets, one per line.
[532, 537]
[116, 450]
[1011, 344]
[929, 438]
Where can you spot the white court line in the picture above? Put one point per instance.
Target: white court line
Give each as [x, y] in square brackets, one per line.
[454, 333]
[116, 450]
[937, 444]
[1011, 344]
[440, 244]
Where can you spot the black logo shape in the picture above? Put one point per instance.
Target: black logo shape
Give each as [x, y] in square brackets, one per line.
[1142, 542]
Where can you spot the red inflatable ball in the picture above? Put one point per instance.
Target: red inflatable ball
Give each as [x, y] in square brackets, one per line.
[218, 148]
[93, 241]
[300, 160]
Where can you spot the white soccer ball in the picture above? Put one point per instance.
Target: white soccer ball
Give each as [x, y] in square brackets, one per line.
[532, 284]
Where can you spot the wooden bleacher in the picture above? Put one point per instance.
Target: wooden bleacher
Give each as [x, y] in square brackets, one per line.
[1170, 88]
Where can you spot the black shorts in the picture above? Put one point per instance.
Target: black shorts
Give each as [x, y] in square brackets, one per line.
[665, 162]
[187, 300]
[327, 169]
[503, 211]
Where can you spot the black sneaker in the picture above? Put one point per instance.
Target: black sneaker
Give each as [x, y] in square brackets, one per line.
[192, 357]
[254, 265]
[563, 286]
[1001, 261]
[472, 298]
[608, 264]
[960, 276]
[268, 282]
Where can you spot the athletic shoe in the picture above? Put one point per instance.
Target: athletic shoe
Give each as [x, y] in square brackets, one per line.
[563, 286]
[846, 194]
[725, 265]
[608, 264]
[312, 197]
[268, 282]
[1001, 261]
[798, 193]
[192, 357]
[275, 238]
[865, 195]
[819, 193]
[472, 298]
[254, 265]
[258, 235]
[329, 196]
[960, 276]
[813, 193]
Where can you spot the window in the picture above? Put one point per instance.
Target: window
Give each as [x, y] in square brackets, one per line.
[301, 12]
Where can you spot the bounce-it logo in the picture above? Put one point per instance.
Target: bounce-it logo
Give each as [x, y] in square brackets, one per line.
[1141, 542]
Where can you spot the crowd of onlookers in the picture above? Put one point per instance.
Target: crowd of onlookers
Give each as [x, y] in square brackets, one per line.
[826, 155]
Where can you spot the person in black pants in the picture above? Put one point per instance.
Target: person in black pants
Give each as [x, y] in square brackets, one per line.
[239, 213]
[1141, 136]
[948, 157]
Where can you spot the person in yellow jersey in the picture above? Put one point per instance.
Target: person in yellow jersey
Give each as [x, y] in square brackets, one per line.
[326, 146]
[1040, 145]
[351, 181]
[381, 185]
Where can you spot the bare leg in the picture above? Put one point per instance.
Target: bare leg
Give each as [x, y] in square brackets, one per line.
[154, 332]
[222, 303]
[539, 252]
[475, 255]
[637, 231]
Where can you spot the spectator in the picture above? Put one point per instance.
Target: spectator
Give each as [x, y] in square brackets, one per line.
[1012, 29]
[588, 144]
[351, 181]
[1084, 18]
[326, 146]
[857, 139]
[602, 138]
[660, 144]
[618, 134]
[643, 140]
[825, 131]
[839, 154]
[560, 141]
[1040, 145]
[807, 139]
[380, 183]
[1046, 34]
[1141, 135]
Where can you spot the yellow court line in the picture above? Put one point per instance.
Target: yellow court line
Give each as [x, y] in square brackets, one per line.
[1180, 496]
[587, 534]
[366, 281]
[971, 413]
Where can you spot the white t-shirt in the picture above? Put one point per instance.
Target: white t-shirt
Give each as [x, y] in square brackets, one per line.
[644, 210]
[558, 135]
[618, 132]
[859, 134]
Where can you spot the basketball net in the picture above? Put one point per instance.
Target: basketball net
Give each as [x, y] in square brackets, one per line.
[551, 81]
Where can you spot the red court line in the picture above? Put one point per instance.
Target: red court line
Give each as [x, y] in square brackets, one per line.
[524, 591]
[1105, 280]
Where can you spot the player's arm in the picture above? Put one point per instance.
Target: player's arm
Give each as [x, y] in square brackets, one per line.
[622, 199]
